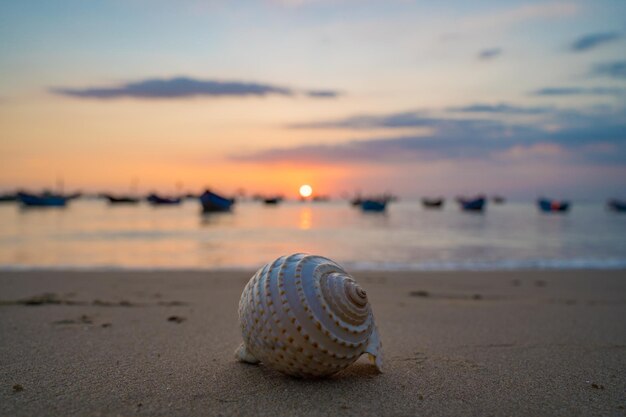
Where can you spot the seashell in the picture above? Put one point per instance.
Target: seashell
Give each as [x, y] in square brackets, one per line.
[304, 315]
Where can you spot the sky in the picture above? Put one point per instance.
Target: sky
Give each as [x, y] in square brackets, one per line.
[520, 98]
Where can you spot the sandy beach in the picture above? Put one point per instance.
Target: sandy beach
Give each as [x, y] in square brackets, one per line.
[458, 343]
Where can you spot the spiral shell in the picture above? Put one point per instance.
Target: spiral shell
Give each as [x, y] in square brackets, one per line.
[303, 315]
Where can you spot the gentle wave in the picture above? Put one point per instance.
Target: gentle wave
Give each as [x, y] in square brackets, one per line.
[505, 265]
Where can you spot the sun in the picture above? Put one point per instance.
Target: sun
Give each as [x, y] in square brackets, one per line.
[306, 191]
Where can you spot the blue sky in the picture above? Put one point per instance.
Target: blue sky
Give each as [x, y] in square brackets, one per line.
[528, 96]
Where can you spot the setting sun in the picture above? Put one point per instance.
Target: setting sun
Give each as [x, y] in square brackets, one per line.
[306, 191]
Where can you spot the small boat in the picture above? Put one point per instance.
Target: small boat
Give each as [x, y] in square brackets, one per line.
[617, 205]
[156, 200]
[320, 198]
[553, 206]
[46, 199]
[122, 199]
[498, 199]
[356, 202]
[374, 205]
[7, 198]
[432, 202]
[272, 201]
[212, 202]
[472, 204]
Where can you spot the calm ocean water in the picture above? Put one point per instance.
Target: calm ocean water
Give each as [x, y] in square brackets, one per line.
[92, 234]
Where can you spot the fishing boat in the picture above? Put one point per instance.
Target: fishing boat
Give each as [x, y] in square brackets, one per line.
[320, 199]
[472, 204]
[156, 200]
[272, 201]
[617, 205]
[45, 199]
[212, 202]
[547, 205]
[7, 198]
[121, 199]
[356, 201]
[432, 203]
[374, 205]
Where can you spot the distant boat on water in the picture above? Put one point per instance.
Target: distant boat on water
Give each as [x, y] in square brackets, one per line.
[8, 197]
[321, 198]
[121, 199]
[498, 199]
[272, 201]
[617, 205]
[212, 202]
[374, 205]
[472, 204]
[547, 205]
[45, 199]
[156, 200]
[432, 203]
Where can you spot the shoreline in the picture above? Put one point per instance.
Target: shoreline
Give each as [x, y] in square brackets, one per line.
[455, 343]
[358, 267]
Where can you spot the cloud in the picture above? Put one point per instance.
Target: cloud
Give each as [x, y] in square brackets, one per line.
[184, 87]
[401, 120]
[582, 91]
[519, 14]
[501, 108]
[323, 93]
[491, 53]
[533, 151]
[615, 69]
[571, 134]
[593, 40]
[394, 120]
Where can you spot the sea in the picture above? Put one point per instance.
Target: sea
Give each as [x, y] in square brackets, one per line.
[92, 234]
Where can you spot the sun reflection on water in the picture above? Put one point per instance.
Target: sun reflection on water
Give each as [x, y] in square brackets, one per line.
[306, 218]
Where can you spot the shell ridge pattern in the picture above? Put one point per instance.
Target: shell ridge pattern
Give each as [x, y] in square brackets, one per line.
[332, 284]
[285, 325]
[253, 323]
[307, 329]
[322, 338]
[342, 304]
[326, 320]
[269, 325]
[297, 310]
[353, 334]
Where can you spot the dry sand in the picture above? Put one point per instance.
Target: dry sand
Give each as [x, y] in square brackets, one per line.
[461, 343]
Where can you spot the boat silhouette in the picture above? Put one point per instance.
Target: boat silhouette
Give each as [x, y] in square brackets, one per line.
[374, 205]
[547, 205]
[472, 204]
[46, 199]
[212, 202]
[432, 202]
[156, 200]
[617, 205]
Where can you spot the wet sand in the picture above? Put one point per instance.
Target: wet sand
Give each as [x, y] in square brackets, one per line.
[458, 343]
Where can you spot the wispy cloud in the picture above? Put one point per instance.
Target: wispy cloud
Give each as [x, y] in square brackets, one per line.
[573, 132]
[520, 14]
[501, 108]
[615, 69]
[579, 91]
[491, 53]
[185, 87]
[593, 40]
[323, 93]
[393, 120]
